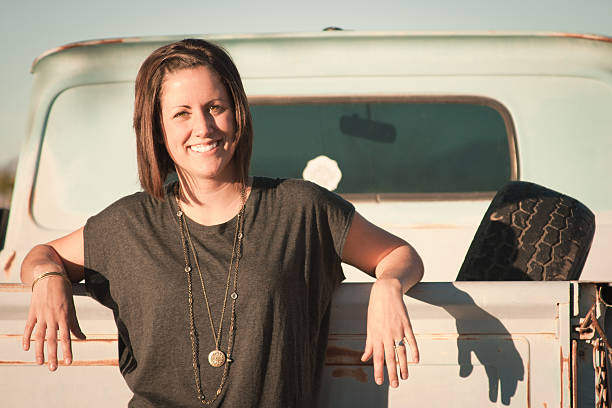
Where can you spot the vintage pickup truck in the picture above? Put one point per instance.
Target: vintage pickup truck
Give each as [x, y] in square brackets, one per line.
[418, 130]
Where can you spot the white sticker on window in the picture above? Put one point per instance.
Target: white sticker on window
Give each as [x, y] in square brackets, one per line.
[323, 171]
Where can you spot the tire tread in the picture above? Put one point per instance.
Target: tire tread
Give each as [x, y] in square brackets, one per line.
[530, 232]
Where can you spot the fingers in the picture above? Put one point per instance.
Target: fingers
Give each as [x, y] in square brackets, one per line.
[379, 362]
[390, 361]
[39, 339]
[367, 354]
[52, 347]
[385, 354]
[52, 310]
[29, 327]
[389, 334]
[411, 341]
[402, 361]
[392, 357]
[64, 337]
[49, 334]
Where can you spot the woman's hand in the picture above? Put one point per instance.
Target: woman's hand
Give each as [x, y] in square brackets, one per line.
[52, 310]
[397, 267]
[388, 323]
[52, 305]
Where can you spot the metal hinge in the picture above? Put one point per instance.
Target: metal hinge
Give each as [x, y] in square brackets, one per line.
[591, 332]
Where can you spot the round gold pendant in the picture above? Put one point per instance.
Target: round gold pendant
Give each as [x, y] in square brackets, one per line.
[216, 358]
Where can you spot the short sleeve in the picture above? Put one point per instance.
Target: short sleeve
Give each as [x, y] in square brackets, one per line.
[339, 214]
[101, 235]
[96, 279]
[94, 246]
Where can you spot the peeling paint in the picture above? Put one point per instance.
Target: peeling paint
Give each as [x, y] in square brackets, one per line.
[79, 44]
[8, 264]
[14, 287]
[108, 362]
[356, 373]
[109, 338]
[575, 372]
[583, 36]
[344, 356]
[565, 367]
[88, 340]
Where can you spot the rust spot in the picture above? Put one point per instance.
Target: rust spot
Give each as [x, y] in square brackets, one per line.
[95, 338]
[582, 36]
[80, 44]
[98, 340]
[108, 362]
[9, 362]
[343, 356]
[14, 287]
[8, 264]
[90, 42]
[564, 360]
[574, 387]
[10, 336]
[90, 340]
[356, 373]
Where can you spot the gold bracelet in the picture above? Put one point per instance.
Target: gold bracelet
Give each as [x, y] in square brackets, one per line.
[47, 274]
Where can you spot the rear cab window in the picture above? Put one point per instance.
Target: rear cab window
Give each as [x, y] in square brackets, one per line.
[366, 147]
[387, 148]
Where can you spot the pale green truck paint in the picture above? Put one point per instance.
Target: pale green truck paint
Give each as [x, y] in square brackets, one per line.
[554, 93]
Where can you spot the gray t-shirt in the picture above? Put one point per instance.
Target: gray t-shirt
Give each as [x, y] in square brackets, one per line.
[294, 232]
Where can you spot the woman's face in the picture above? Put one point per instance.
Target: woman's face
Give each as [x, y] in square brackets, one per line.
[198, 124]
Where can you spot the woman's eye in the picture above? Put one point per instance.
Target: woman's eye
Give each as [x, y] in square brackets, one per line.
[180, 114]
[216, 109]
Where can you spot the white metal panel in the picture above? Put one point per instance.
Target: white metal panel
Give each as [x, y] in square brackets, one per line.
[481, 343]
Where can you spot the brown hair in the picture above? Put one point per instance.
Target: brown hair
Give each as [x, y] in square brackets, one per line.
[154, 162]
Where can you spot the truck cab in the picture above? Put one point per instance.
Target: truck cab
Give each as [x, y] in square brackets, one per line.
[418, 131]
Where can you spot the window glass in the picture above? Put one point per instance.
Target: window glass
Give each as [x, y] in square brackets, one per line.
[384, 147]
[88, 155]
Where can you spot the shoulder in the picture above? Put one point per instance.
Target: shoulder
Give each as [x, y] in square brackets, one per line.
[289, 186]
[131, 202]
[289, 191]
[299, 192]
[129, 207]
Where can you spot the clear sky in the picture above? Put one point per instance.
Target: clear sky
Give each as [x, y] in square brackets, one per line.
[29, 27]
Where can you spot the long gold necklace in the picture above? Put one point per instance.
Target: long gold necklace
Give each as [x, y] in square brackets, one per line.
[216, 357]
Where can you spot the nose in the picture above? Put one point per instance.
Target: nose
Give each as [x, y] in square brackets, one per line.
[204, 124]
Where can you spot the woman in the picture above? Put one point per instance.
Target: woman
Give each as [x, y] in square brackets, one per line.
[220, 283]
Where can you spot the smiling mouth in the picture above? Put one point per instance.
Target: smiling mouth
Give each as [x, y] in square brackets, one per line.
[203, 148]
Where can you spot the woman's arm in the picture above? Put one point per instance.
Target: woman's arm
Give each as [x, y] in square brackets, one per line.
[52, 306]
[397, 267]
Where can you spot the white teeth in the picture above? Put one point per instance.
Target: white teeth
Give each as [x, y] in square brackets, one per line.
[201, 148]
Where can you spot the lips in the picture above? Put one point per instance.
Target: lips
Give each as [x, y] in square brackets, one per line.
[204, 147]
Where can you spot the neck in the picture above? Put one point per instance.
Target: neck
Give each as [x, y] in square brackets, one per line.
[210, 202]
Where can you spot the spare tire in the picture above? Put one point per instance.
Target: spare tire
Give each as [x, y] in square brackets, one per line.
[530, 233]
